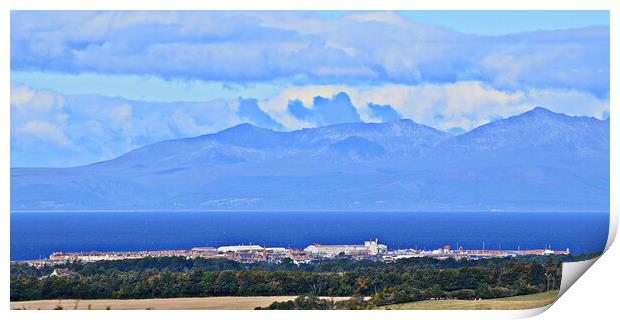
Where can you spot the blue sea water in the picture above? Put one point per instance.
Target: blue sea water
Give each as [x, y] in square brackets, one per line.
[37, 234]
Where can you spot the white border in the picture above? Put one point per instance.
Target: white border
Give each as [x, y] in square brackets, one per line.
[590, 299]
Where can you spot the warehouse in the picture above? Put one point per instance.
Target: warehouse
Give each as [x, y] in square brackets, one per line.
[370, 247]
[241, 249]
[204, 251]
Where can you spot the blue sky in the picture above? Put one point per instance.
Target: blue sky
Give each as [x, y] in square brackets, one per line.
[87, 86]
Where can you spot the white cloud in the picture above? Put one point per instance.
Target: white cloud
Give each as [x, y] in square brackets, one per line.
[570, 101]
[187, 125]
[44, 131]
[82, 129]
[384, 17]
[25, 100]
[20, 95]
[378, 47]
[38, 115]
[465, 104]
[120, 113]
[48, 128]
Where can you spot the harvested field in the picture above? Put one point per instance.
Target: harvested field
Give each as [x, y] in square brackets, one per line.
[210, 303]
[512, 303]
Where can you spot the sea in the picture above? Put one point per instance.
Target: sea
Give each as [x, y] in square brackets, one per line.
[36, 235]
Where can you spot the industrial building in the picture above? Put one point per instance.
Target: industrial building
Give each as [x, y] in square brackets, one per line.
[241, 249]
[370, 247]
[204, 251]
[277, 250]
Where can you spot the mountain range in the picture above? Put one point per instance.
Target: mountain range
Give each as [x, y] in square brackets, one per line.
[535, 161]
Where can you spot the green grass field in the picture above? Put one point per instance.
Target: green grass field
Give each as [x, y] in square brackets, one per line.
[511, 303]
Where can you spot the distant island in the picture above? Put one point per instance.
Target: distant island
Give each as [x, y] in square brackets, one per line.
[535, 161]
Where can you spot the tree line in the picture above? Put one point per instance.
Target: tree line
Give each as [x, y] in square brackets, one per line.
[386, 283]
[182, 264]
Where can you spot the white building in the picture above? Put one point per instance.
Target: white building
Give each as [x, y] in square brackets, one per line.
[240, 249]
[204, 249]
[62, 272]
[371, 247]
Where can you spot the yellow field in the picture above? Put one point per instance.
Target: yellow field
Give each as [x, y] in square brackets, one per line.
[512, 303]
[245, 303]
[211, 303]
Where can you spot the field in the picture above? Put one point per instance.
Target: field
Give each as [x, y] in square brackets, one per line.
[244, 303]
[210, 303]
[512, 303]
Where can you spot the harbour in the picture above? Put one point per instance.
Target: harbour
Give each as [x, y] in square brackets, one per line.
[369, 250]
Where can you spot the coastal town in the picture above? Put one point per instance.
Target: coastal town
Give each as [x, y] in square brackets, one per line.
[251, 253]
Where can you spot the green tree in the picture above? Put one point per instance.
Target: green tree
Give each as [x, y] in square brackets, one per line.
[483, 291]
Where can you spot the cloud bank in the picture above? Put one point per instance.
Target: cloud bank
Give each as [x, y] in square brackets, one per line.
[304, 48]
[80, 129]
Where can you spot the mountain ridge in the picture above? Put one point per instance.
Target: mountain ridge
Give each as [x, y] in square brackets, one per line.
[538, 160]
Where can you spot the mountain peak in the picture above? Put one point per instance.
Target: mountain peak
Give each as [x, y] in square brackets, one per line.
[251, 136]
[547, 115]
[540, 112]
[537, 128]
[534, 115]
[243, 127]
[404, 122]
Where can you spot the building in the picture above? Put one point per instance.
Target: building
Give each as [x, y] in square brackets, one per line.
[374, 247]
[241, 249]
[277, 252]
[204, 251]
[370, 247]
[61, 272]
